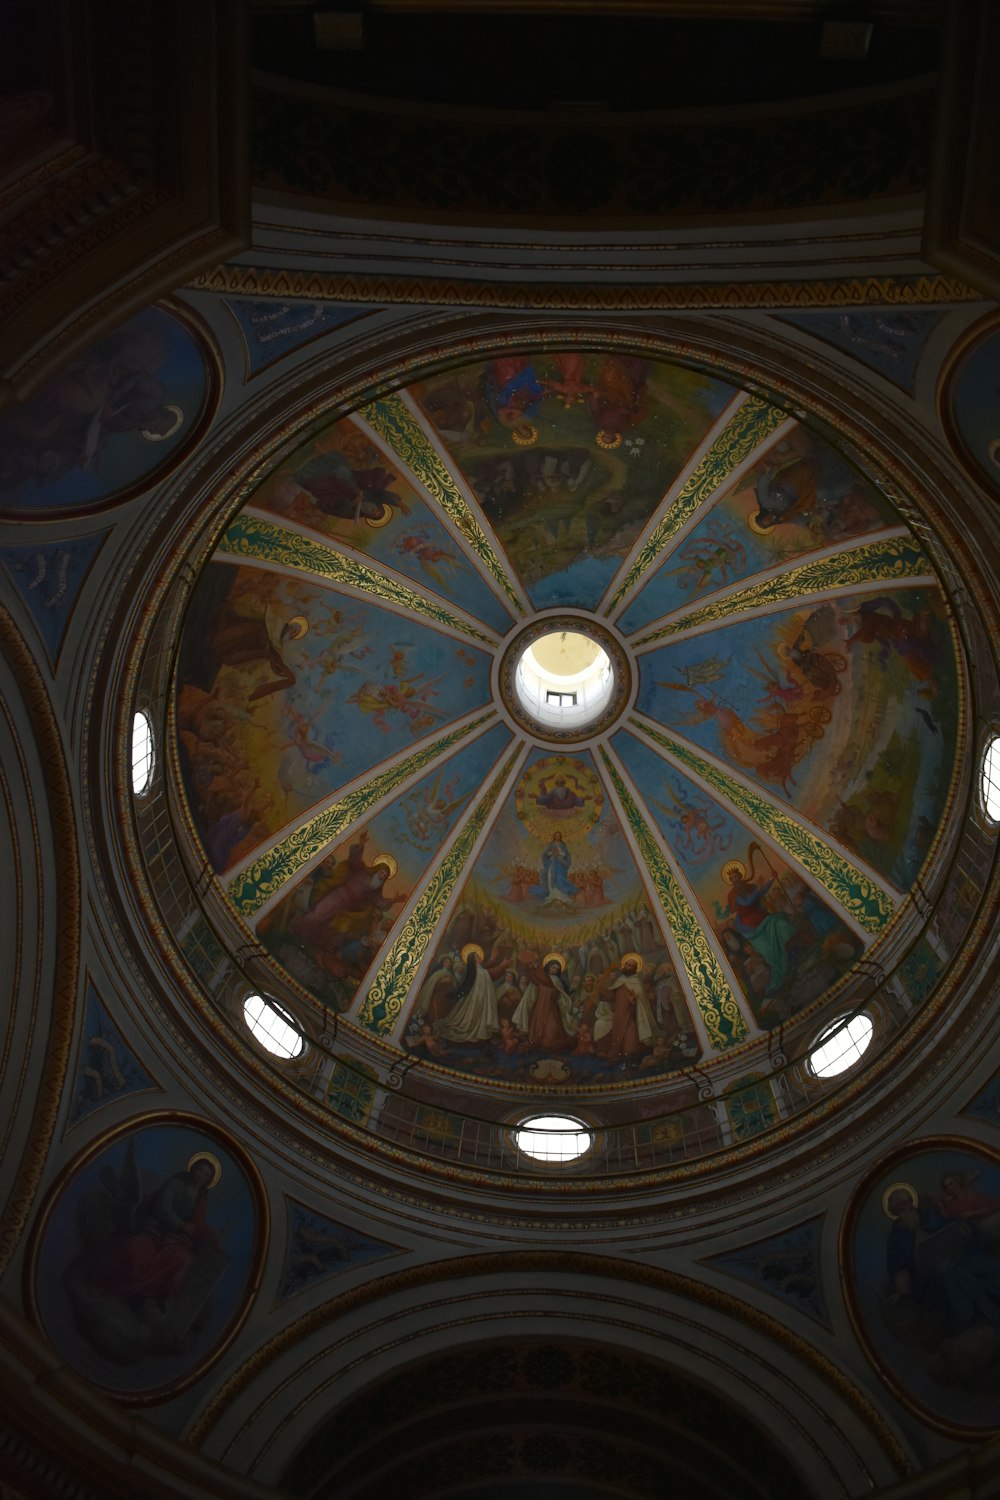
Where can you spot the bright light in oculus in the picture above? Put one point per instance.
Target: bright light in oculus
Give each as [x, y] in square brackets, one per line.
[840, 1045]
[553, 1138]
[272, 1028]
[565, 679]
[990, 783]
[142, 753]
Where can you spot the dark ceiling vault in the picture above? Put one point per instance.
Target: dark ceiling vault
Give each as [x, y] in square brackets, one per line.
[538, 1415]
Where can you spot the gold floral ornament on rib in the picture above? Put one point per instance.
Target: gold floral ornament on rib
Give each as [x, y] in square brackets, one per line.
[262, 540]
[886, 560]
[255, 886]
[755, 420]
[864, 900]
[392, 983]
[712, 994]
[397, 426]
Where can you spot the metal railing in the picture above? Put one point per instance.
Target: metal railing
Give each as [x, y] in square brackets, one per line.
[396, 1098]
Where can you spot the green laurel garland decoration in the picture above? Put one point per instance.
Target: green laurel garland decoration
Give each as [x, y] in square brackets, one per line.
[395, 423]
[264, 541]
[392, 982]
[857, 893]
[755, 420]
[715, 1000]
[257, 884]
[885, 560]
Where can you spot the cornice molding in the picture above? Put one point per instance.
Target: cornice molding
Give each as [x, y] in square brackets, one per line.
[704, 296]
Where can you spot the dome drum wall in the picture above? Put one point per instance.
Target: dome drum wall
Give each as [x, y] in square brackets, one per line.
[783, 478]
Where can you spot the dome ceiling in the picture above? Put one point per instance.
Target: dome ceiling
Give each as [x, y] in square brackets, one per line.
[602, 909]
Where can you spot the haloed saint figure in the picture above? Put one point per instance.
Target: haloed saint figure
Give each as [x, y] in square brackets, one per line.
[923, 1275]
[148, 1260]
[145, 1256]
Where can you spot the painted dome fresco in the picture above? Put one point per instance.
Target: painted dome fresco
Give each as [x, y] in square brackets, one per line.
[585, 876]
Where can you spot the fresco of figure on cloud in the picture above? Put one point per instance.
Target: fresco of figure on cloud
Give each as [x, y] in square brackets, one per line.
[147, 1253]
[109, 420]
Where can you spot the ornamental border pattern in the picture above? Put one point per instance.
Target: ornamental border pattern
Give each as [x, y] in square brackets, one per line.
[856, 892]
[394, 422]
[886, 560]
[712, 994]
[385, 998]
[254, 538]
[749, 426]
[256, 885]
[528, 296]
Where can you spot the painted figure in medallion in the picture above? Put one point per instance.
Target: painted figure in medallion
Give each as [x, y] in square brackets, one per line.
[147, 1255]
[923, 1269]
[108, 420]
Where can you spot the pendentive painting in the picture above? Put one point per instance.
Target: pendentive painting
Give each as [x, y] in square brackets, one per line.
[921, 1262]
[148, 1256]
[970, 409]
[108, 421]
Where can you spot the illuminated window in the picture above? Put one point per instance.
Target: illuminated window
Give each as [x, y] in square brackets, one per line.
[142, 753]
[565, 680]
[273, 1028]
[840, 1045]
[553, 1137]
[990, 781]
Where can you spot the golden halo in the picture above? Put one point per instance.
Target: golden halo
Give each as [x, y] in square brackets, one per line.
[609, 440]
[215, 1162]
[994, 451]
[554, 958]
[897, 1187]
[160, 437]
[733, 867]
[388, 861]
[472, 948]
[636, 959]
[297, 627]
[524, 434]
[381, 520]
[757, 528]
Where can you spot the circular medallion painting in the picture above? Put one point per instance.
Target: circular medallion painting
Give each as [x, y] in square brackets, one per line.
[567, 718]
[109, 422]
[921, 1250]
[969, 405]
[148, 1255]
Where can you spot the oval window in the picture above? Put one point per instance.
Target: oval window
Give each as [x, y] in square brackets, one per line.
[553, 1137]
[840, 1045]
[272, 1027]
[989, 783]
[142, 753]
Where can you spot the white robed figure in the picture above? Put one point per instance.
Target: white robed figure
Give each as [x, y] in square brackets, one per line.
[473, 1017]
